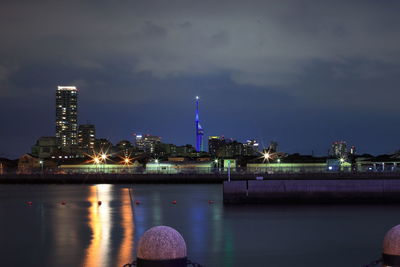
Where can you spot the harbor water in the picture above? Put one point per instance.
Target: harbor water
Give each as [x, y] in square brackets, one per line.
[67, 225]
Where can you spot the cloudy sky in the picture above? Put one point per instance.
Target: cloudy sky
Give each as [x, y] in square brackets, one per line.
[303, 73]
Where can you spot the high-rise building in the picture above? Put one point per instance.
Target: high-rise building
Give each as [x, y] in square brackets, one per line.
[273, 147]
[147, 143]
[102, 145]
[138, 140]
[250, 148]
[86, 136]
[338, 149]
[214, 144]
[124, 147]
[225, 148]
[232, 148]
[199, 129]
[66, 116]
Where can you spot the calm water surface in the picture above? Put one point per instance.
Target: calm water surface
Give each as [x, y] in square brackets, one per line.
[81, 233]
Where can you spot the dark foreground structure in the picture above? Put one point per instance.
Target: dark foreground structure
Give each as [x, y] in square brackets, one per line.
[312, 191]
[192, 178]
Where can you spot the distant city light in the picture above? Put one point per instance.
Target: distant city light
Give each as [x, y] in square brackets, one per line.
[103, 156]
[96, 160]
[342, 160]
[68, 88]
[127, 161]
[156, 161]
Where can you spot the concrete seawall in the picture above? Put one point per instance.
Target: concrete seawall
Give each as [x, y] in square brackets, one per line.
[115, 178]
[108, 179]
[312, 191]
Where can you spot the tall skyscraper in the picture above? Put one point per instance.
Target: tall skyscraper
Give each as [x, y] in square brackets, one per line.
[66, 116]
[86, 136]
[199, 129]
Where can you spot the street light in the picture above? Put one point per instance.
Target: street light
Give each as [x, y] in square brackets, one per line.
[266, 156]
[41, 164]
[216, 167]
[158, 165]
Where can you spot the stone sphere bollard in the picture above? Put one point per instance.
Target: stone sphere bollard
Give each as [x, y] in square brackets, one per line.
[161, 246]
[391, 247]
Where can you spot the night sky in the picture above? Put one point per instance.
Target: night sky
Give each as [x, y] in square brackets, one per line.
[303, 73]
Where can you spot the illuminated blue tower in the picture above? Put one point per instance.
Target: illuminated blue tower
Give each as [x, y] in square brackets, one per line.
[199, 130]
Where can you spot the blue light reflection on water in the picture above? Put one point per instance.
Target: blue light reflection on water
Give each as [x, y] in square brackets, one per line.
[83, 233]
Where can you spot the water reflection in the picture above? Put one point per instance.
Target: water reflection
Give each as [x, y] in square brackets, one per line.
[65, 230]
[81, 233]
[228, 247]
[157, 208]
[100, 222]
[217, 228]
[128, 226]
[199, 231]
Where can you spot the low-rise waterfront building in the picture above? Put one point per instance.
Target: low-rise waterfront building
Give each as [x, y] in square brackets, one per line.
[45, 147]
[28, 164]
[7, 165]
[382, 163]
[175, 167]
[286, 167]
[117, 168]
[299, 164]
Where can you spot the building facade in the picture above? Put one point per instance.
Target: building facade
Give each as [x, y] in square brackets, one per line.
[44, 147]
[251, 148]
[214, 144]
[86, 136]
[338, 149]
[219, 147]
[147, 143]
[66, 116]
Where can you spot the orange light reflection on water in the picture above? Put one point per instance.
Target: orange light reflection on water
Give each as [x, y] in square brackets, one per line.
[125, 254]
[97, 254]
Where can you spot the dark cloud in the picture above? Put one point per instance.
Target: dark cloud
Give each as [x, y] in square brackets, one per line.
[338, 57]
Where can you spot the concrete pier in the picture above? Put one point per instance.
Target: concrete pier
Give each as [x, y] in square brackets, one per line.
[312, 191]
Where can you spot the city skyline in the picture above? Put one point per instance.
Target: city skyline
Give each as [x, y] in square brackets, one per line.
[202, 133]
[304, 74]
